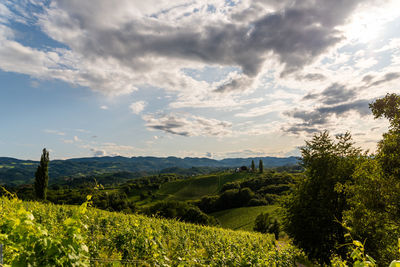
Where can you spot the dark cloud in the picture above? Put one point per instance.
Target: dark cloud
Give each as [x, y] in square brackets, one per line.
[335, 100]
[337, 93]
[299, 129]
[309, 118]
[321, 115]
[187, 125]
[311, 77]
[360, 106]
[235, 84]
[98, 153]
[387, 78]
[170, 125]
[310, 96]
[296, 33]
[367, 78]
[334, 94]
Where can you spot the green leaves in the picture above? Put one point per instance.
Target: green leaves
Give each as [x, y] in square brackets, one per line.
[388, 107]
[30, 243]
[319, 200]
[77, 236]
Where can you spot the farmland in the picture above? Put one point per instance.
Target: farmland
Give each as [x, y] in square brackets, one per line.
[60, 235]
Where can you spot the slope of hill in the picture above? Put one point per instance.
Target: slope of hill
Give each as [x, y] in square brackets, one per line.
[197, 187]
[14, 171]
[241, 218]
[118, 239]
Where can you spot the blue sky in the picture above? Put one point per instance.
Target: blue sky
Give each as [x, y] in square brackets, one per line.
[210, 78]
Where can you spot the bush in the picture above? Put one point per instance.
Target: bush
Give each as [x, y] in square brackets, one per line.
[266, 224]
[232, 185]
[181, 211]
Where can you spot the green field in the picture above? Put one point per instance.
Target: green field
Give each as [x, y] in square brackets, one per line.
[54, 235]
[7, 166]
[197, 187]
[241, 218]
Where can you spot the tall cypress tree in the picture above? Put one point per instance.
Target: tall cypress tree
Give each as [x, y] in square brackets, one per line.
[253, 166]
[42, 176]
[261, 166]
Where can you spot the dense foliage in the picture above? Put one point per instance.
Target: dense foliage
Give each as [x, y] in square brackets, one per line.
[346, 193]
[315, 207]
[232, 198]
[255, 190]
[180, 211]
[375, 194]
[265, 223]
[30, 242]
[50, 235]
[42, 176]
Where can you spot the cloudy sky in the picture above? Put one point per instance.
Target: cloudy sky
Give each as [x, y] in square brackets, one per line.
[199, 78]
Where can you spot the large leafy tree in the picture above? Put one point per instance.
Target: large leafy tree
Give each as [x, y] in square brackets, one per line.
[375, 194]
[42, 176]
[312, 211]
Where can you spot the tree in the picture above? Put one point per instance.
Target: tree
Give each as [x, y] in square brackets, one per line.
[261, 166]
[266, 224]
[253, 166]
[388, 107]
[312, 211]
[42, 176]
[375, 194]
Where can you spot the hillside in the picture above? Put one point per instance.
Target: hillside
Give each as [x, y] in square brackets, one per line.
[71, 235]
[14, 171]
[241, 218]
[197, 187]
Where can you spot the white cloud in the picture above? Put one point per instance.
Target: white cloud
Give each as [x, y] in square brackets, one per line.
[366, 63]
[137, 107]
[5, 13]
[111, 149]
[393, 45]
[56, 132]
[263, 110]
[104, 107]
[82, 130]
[366, 23]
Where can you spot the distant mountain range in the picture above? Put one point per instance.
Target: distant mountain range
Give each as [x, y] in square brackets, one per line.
[15, 171]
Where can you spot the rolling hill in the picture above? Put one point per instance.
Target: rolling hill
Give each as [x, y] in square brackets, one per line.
[15, 171]
[78, 236]
[241, 218]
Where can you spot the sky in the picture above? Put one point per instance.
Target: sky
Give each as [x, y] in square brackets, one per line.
[198, 78]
